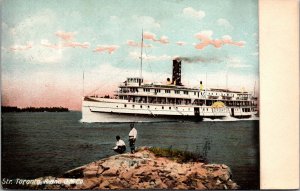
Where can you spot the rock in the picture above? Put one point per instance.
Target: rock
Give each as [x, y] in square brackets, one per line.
[181, 171]
[218, 182]
[158, 183]
[180, 187]
[92, 167]
[143, 170]
[104, 184]
[74, 173]
[89, 183]
[232, 185]
[224, 166]
[200, 186]
[126, 175]
[89, 174]
[111, 172]
[224, 177]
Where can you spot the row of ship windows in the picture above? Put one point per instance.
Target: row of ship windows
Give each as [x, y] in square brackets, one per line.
[162, 107]
[133, 106]
[178, 92]
[184, 92]
[246, 109]
[201, 109]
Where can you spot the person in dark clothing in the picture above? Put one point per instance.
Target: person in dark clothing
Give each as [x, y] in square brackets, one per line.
[132, 137]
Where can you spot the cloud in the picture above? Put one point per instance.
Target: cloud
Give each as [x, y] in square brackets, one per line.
[136, 44]
[180, 43]
[67, 36]
[235, 62]
[38, 54]
[19, 47]
[164, 40]
[77, 44]
[71, 44]
[204, 34]
[190, 12]
[147, 21]
[49, 59]
[206, 39]
[30, 27]
[67, 41]
[46, 43]
[151, 36]
[106, 48]
[137, 55]
[224, 23]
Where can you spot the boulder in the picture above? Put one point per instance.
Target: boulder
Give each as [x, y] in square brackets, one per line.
[143, 170]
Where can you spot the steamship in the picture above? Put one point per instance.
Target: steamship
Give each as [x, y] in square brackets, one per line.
[135, 100]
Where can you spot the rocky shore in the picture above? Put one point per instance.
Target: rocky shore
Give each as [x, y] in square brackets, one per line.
[142, 170]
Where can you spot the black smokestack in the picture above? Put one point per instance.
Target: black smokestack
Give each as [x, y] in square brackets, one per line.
[176, 78]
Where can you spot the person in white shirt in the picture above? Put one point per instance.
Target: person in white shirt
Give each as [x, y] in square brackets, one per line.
[132, 137]
[120, 145]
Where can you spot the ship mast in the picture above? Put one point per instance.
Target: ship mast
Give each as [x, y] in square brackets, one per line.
[142, 44]
[205, 87]
[83, 83]
[227, 81]
[254, 89]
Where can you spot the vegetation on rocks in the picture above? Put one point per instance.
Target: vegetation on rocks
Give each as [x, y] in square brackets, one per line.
[144, 169]
[177, 155]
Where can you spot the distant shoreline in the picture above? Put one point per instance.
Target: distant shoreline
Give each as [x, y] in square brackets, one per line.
[6, 109]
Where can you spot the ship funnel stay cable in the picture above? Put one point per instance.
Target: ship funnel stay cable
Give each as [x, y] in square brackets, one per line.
[142, 44]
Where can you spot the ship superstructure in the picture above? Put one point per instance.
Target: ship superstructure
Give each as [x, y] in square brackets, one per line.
[138, 101]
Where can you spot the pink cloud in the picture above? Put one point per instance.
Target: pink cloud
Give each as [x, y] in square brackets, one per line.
[132, 43]
[71, 44]
[152, 36]
[76, 44]
[206, 39]
[135, 44]
[46, 43]
[67, 36]
[164, 40]
[180, 43]
[149, 36]
[68, 41]
[108, 48]
[18, 47]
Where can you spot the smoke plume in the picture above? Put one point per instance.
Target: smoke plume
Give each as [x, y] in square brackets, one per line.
[198, 59]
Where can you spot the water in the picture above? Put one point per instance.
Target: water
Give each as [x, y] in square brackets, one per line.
[42, 144]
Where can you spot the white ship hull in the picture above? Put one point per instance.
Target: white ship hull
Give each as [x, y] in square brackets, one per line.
[116, 110]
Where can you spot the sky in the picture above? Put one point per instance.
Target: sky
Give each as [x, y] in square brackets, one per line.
[54, 52]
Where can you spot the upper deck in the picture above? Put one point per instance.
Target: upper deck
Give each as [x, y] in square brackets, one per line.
[173, 91]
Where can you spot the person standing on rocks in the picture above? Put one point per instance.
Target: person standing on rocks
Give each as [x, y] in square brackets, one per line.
[132, 137]
[120, 145]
